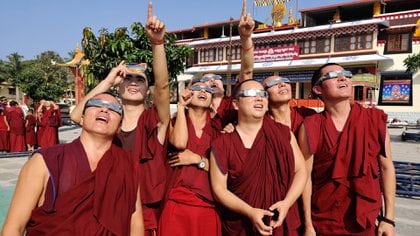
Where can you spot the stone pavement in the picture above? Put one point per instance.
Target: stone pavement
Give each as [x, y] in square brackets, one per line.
[407, 209]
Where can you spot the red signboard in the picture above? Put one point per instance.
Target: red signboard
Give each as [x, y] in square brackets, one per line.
[276, 54]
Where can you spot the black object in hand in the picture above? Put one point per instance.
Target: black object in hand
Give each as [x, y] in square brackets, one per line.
[275, 217]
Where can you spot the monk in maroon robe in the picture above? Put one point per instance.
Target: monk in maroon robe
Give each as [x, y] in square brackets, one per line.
[17, 127]
[30, 134]
[257, 170]
[144, 128]
[87, 187]
[4, 132]
[49, 123]
[348, 151]
[189, 196]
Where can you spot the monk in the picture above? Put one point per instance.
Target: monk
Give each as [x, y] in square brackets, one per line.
[257, 171]
[143, 130]
[189, 208]
[87, 187]
[4, 131]
[280, 94]
[30, 134]
[347, 151]
[49, 120]
[16, 121]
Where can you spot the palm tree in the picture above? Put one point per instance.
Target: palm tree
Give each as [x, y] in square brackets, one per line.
[14, 69]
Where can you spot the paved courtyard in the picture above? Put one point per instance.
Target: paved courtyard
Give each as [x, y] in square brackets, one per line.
[407, 209]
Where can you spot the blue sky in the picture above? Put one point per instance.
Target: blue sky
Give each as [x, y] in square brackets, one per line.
[30, 27]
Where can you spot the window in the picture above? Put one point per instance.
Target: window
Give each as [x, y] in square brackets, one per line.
[12, 91]
[207, 55]
[220, 54]
[358, 93]
[398, 43]
[396, 89]
[353, 42]
[311, 46]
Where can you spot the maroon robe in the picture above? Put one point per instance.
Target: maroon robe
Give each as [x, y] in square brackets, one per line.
[151, 155]
[30, 130]
[4, 135]
[297, 115]
[17, 129]
[346, 194]
[225, 114]
[81, 202]
[189, 194]
[49, 124]
[261, 175]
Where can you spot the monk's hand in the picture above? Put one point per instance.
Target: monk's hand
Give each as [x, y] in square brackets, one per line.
[246, 23]
[256, 216]
[183, 158]
[155, 29]
[117, 74]
[385, 229]
[185, 97]
[282, 208]
[309, 231]
[229, 128]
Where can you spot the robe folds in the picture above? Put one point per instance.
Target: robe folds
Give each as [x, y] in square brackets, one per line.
[261, 175]
[189, 195]
[81, 202]
[225, 114]
[297, 115]
[150, 156]
[346, 193]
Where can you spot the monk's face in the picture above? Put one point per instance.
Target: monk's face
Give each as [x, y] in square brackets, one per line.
[134, 88]
[201, 95]
[278, 88]
[339, 87]
[102, 115]
[215, 82]
[252, 100]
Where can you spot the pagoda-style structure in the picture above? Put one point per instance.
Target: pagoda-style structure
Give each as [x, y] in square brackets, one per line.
[75, 66]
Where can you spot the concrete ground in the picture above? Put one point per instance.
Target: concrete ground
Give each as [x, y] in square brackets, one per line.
[407, 209]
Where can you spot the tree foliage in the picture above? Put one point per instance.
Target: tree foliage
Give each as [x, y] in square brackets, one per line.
[412, 63]
[108, 49]
[41, 79]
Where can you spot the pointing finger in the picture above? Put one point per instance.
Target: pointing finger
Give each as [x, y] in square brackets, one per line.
[150, 10]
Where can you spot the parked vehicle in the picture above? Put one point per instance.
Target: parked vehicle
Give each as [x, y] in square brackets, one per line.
[411, 134]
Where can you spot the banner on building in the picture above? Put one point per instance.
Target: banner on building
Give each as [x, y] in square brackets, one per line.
[276, 54]
[269, 2]
[396, 91]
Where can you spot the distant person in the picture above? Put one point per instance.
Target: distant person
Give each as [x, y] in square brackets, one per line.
[348, 153]
[30, 133]
[49, 120]
[4, 131]
[257, 172]
[86, 187]
[16, 120]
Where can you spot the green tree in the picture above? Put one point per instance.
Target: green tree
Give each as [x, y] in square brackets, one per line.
[108, 49]
[41, 79]
[412, 63]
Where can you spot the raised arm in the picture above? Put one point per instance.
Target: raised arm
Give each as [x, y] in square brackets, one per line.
[115, 76]
[231, 201]
[179, 134]
[389, 183]
[155, 30]
[246, 28]
[307, 192]
[29, 189]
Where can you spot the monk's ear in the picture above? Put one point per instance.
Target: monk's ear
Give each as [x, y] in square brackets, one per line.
[81, 120]
[316, 90]
[235, 104]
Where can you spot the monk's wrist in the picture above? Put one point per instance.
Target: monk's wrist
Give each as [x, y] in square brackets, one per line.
[386, 220]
